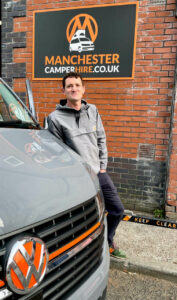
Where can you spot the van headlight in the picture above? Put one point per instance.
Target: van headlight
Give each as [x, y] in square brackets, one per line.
[100, 204]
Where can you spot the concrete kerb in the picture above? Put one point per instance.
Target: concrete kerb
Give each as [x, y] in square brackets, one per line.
[162, 271]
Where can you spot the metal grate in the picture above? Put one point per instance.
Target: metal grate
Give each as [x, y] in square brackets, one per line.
[158, 2]
[57, 232]
[146, 151]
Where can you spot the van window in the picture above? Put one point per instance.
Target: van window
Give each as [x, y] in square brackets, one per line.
[84, 40]
[75, 41]
[10, 108]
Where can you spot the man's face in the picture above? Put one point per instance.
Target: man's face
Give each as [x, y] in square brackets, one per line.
[74, 89]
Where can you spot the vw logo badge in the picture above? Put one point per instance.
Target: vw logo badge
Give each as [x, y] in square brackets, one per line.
[26, 264]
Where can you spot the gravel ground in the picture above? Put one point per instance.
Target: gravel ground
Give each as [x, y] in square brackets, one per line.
[131, 286]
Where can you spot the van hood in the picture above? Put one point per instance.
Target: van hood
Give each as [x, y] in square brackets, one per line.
[39, 178]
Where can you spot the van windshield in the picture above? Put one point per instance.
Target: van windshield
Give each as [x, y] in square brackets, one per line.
[84, 40]
[11, 110]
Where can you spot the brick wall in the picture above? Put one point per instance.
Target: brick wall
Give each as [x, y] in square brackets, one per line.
[12, 40]
[141, 183]
[136, 113]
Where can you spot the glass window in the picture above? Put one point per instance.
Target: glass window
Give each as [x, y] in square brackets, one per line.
[75, 41]
[84, 40]
[10, 108]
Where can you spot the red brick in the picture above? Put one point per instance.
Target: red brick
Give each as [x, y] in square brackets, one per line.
[76, 3]
[152, 56]
[170, 44]
[154, 8]
[171, 1]
[171, 31]
[154, 44]
[167, 79]
[143, 74]
[172, 200]
[170, 19]
[151, 79]
[145, 15]
[163, 38]
[145, 38]
[164, 13]
[144, 50]
[160, 85]
[171, 7]
[103, 2]
[162, 50]
[154, 20]
[164, 26]
[158, 32]
[174, 36]
[145, 26]
[159, 74]
[162, 147]
[169, 55]
[168, 67]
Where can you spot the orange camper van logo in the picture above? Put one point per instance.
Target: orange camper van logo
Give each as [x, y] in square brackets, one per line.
[81, 33]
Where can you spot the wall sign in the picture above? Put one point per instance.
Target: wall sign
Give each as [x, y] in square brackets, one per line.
[96, 41]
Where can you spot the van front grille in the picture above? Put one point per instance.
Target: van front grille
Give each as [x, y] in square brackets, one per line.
[56, 232]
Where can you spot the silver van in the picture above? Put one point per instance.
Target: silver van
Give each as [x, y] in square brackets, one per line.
[53, 234]
[80, 42]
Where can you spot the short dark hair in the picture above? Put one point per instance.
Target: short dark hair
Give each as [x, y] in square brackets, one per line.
[71, 74]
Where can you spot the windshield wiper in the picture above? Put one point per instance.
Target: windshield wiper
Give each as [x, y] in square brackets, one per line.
[19, 124]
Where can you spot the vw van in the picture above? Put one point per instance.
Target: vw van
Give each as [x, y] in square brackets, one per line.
[80, 42]
[53, 231]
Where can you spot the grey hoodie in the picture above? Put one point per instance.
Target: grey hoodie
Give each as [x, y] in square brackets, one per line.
[82, 131]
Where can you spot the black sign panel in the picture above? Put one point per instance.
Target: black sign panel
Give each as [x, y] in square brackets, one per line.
[96, 41]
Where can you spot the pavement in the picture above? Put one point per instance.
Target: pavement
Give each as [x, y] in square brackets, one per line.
[151, 250]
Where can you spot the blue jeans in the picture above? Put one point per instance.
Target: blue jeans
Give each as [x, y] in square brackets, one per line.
[113, 204]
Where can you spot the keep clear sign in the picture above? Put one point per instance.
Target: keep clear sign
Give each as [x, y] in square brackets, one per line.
[96, 41]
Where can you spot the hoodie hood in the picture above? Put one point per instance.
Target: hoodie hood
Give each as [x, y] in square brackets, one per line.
[62, 105]
[84, 107]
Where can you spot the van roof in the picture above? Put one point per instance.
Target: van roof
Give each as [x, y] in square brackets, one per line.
[79, 33]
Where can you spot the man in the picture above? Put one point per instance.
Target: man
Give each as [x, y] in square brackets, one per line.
[78, 124]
